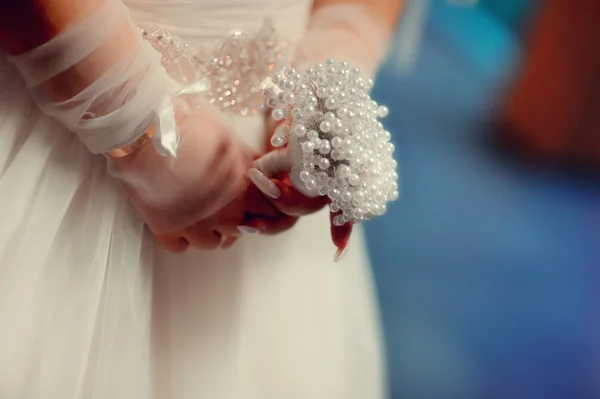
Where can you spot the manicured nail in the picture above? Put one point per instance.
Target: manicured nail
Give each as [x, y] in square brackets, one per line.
[340, 253]
[248, 230]
[263, 183]
[223, 240]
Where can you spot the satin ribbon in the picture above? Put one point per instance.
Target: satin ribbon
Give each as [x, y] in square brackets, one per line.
[166, 133]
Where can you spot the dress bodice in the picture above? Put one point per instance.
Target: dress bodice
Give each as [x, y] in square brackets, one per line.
[206, 21]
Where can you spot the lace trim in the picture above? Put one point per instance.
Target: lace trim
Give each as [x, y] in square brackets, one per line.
[237, 67]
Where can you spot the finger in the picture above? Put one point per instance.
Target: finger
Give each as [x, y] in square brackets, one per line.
[340, 236]
[274, 163]
[264, 184]
[271, 227]
[172, 242]
[272, 126]
[228, 242]
[257, 204]
[203, 239]
[286, 197]
[292, 202]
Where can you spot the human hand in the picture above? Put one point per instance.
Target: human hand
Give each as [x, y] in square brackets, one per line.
[250, 213]
[174, 193]
[273, 174]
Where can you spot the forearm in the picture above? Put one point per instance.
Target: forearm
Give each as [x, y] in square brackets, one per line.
[356, 31]
[387, 11]
[26, 24]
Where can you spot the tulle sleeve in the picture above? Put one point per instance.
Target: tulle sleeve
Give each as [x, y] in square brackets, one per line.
[350, 32]
[108, 86]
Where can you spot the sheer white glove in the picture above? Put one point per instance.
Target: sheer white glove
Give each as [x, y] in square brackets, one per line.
[350, 32]
[107, 85]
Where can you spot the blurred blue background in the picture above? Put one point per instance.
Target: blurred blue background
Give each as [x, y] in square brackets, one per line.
[488, 270]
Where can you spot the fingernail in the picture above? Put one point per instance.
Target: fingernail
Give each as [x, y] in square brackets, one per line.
[263, 183]
[248, 230]
[340, 253]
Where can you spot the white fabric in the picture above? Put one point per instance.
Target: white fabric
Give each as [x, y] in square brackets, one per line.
[91, 308]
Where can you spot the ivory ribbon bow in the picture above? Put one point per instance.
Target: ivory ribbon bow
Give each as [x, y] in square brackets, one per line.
[166, 133]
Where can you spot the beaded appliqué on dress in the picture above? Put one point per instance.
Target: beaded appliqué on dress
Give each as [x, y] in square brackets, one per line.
[237, 67]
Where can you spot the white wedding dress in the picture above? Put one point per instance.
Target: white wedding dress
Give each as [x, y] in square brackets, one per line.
[90, 307]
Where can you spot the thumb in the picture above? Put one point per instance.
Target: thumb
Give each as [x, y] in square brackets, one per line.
[274, 163]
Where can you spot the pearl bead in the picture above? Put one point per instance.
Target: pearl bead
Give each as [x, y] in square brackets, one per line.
[277, 141]
[308, 166]
[308, 147]
[304, 175]
[276, 78]
[339, 221]
[337, 126]
[324, 163]
[282, 83]
[289, 98]
[333, 194]
[311, 184]
[346, 195]
[288, 85]
[299, 130]
[289, 71]
[312, 135]
[342, 112]
[322, 176]
[325, 126]
[278, 114]
[331, 103]
[336, 154]
[309, 110]
[336, 142]
[325, 147]
[354, 179]
[359, 196]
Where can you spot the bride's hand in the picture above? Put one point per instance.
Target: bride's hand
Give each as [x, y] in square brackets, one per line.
[208, 173]
[251, 212]
[274, 176]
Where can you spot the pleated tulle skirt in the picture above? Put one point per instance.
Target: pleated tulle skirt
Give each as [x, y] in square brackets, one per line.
[91, 308]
